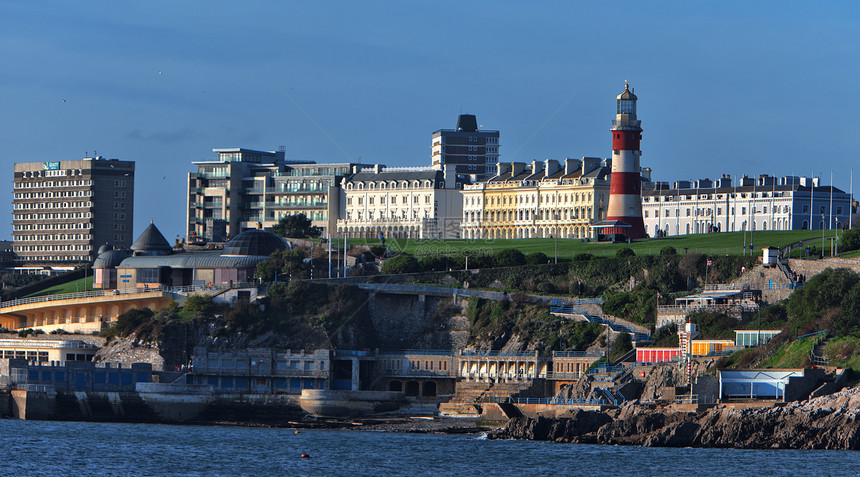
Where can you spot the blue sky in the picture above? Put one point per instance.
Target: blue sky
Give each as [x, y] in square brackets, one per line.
[724, 87]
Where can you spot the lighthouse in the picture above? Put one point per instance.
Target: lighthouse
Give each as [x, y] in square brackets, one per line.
[624, 213]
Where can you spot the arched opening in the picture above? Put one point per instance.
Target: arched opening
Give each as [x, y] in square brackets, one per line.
[429, 388]
[412, 388]
[395, 386]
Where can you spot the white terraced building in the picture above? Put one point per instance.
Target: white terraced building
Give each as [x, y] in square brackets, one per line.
[763, 203]
[401, 202]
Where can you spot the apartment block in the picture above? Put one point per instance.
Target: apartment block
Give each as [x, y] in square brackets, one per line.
[246, 188]
[63, 211]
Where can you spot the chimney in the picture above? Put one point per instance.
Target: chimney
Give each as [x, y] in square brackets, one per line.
[589, 164]
[571, 166]
[537, 166]
[518, 168]
[504, 168]
[552, 166]
[449, 175]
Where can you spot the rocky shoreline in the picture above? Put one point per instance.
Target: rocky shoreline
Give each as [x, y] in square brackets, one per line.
[828, 422]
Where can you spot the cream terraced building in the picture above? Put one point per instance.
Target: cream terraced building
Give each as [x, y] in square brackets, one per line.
[538, 200]
[420, 202]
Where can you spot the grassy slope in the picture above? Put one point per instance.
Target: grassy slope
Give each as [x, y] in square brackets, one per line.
[712, 244]
[70, 287]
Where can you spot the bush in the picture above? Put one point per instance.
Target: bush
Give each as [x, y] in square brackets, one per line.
[668, 250]
[509, 257]
[625, 252]
[401, 264]
[849, 240]
[537, 258]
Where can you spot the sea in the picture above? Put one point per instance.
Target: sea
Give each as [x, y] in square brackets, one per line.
[45, 448]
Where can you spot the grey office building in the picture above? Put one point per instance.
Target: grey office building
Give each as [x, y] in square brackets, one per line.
[63, 211]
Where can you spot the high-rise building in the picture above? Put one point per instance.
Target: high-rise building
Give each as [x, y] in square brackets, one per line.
[63, 211]
[469, 150]
[244, 189]
[624, 215]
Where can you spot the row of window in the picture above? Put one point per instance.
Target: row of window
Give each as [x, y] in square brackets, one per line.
[50, 248]
[404, 200]
[391, 185]
[53, 216]
[49, 226]
[742, 195]
[579, 213]
[54, 194]
[393, 214]
[53, 184]
[53, 205]
[55, 258]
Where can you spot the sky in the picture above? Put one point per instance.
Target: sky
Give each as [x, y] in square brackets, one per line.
[724, 87]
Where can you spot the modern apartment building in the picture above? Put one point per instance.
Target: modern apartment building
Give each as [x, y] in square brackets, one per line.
[763, 203]
[401, 202]
[541, 199]
[63, 211]
[469, 150]
[245, 188]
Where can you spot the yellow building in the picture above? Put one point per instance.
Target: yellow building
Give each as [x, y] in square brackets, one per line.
[706, 347]
[44, 351]
[541, 199]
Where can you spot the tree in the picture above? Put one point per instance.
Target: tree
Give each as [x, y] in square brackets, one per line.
[283, 264]
[401, 264]
[625, 252]
[849, 240]
[296, 226]
[509, 257]
[537, 258]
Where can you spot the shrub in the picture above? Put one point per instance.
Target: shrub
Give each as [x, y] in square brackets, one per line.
[509, 257]
[625, 252]
[401, 264]
[849, 240]
[537, 258]
[668, 250]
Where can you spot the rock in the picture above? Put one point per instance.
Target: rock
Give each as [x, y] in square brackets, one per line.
[827, 422]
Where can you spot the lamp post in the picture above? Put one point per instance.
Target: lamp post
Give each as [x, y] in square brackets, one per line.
[822, 235]
[556, 237]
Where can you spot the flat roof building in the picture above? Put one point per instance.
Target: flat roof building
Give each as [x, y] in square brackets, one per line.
[245, 189]
[467, 149]
[63, 211]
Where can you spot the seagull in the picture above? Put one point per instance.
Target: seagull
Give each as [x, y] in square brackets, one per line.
[64, 100]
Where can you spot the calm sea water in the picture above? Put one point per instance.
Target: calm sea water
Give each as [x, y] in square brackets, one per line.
[33, 448]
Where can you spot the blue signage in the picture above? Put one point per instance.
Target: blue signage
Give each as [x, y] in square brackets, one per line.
[51, 166]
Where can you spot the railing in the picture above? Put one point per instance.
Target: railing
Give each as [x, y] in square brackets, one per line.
[133, 291]
[496, 353]
[549, 401]
[575, 354]
[814, 358]
[687, 398]
[605, 369]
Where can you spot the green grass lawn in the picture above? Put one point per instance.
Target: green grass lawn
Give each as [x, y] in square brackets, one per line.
[710, 244]
[69, 287]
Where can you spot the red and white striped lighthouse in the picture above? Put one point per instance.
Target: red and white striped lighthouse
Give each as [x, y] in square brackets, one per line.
[625, 189]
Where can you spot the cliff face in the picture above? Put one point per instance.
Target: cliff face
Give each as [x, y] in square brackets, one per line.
[828, 422]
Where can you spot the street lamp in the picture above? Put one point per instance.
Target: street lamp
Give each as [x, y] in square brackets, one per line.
[822, 235]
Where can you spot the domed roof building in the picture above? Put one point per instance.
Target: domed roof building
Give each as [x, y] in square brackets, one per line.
[255, 242]
[151, 262]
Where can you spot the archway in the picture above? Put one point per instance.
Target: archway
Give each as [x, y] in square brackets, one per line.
[395, 386]
[412, 388]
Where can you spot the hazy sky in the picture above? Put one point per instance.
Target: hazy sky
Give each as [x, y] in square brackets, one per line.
[724, 87]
